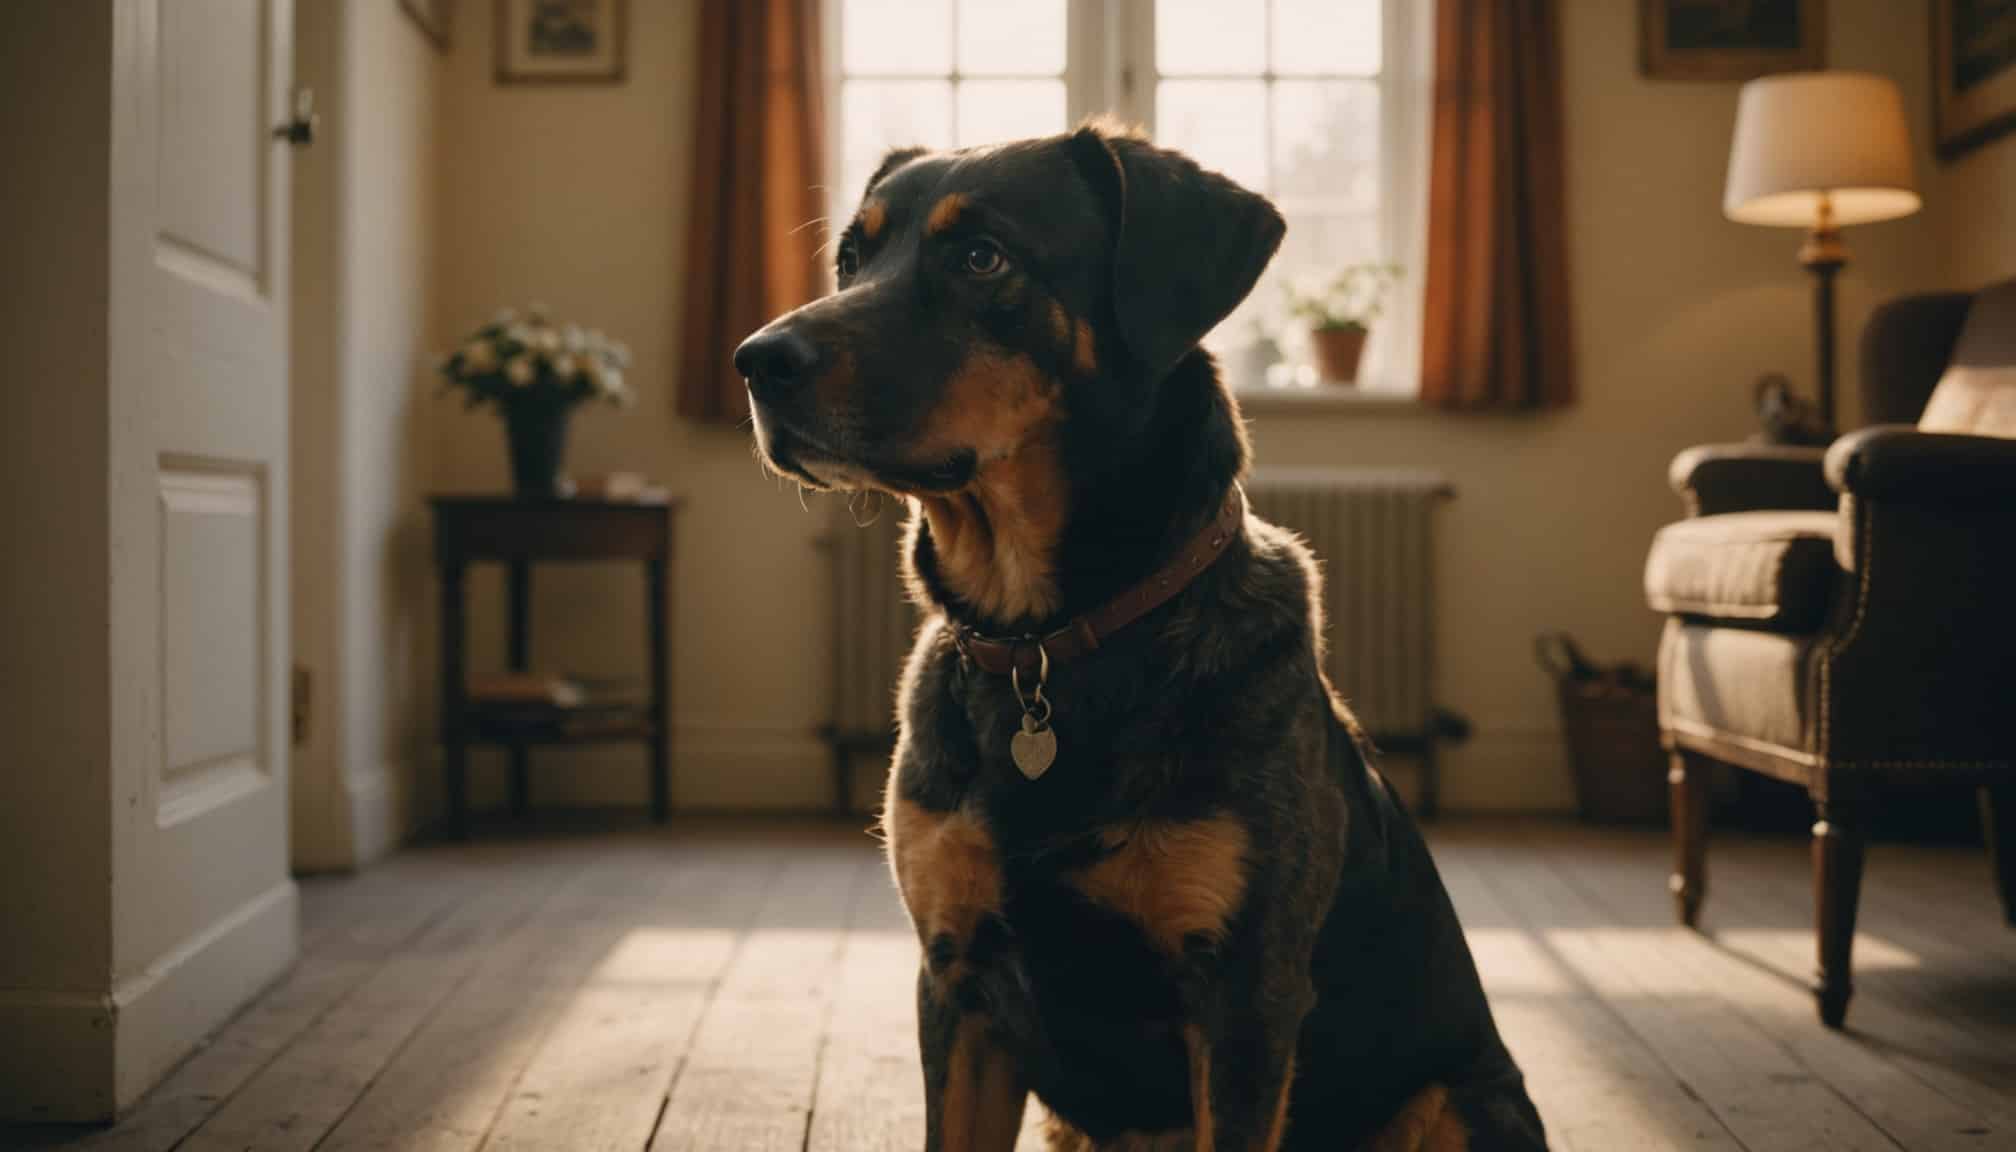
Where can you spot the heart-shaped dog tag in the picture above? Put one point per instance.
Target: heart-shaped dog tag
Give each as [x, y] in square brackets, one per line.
[1034, 748]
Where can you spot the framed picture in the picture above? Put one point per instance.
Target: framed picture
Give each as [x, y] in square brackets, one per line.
[560, 41]
[1973, 73]
[434, 18]
[1730, 39]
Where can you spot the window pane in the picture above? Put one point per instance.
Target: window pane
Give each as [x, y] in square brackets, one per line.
[1220, 122]
[1011, 37]
[1326, 142]
[1327, 36]
[1317, 246]
[879, 115]
[994, 110]
[1219, 37]
[899, 37]
[1321, 243]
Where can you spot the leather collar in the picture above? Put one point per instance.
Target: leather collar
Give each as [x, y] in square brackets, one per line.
[1082, 635]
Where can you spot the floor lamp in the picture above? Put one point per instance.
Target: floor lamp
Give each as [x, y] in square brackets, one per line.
[1820, 150]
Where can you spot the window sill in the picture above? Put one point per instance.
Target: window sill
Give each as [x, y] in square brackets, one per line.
[1324, 399]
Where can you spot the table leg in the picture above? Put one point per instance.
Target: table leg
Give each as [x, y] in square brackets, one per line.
[519, 645]
[655, 594]
[453, 740]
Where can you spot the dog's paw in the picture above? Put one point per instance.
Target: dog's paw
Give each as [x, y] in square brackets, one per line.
[1425, 1124]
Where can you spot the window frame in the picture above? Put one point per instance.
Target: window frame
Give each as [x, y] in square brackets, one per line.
[1109, 67]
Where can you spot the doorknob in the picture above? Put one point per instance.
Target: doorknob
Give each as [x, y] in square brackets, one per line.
[299, 131]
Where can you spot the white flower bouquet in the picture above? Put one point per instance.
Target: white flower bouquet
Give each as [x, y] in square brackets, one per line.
[524, 359]
[535, 373]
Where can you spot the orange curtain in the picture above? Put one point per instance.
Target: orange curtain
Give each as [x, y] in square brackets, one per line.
[752, 247]
[1495, 325]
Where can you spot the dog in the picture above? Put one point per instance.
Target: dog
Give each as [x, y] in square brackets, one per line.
[1157, 883]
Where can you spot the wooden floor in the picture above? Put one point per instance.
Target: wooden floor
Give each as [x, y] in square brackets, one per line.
[748, 986]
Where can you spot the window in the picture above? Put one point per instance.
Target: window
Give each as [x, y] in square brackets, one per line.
[1320, 104]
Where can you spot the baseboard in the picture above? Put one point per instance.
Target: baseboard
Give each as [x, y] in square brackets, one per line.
[377, 819]
[82, 1057]
[713, 770]
[746, 770]
[186, 995]
[724, 770]
[1507, 771]
[56, 1064]
[1493, 772]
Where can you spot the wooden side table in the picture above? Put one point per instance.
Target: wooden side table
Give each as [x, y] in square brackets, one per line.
[521, 533]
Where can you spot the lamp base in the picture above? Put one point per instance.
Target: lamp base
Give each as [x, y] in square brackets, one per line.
[1824, 246]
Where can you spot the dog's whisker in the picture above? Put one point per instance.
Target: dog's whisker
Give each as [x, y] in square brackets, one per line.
[855, 502]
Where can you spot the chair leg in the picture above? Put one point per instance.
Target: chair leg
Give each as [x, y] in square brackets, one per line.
[1837, 888]
[1998, 820]
[1688, 781]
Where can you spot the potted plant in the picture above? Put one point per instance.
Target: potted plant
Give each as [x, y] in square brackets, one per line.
[1340, 311]
[535, 373]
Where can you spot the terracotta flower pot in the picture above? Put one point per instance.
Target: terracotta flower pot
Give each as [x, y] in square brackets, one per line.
[1338, 351]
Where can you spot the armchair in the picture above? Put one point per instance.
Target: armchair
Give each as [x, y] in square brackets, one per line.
[1845, 615]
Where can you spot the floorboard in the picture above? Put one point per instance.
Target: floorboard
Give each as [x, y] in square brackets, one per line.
[736, 985]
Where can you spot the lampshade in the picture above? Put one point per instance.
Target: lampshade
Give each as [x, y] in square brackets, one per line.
[1804, 134]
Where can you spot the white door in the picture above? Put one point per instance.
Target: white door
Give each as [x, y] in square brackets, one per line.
[203, 905]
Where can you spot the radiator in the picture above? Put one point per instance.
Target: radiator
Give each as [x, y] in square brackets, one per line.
[1369, 528]
[874, 623]
[1371, 531]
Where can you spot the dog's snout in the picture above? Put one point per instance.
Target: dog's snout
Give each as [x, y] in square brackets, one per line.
[776, 360]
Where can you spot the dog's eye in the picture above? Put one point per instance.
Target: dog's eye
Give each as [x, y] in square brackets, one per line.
[848, 260]
[982, 258]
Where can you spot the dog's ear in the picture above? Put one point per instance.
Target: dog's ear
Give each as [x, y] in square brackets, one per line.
[893, 159]
[1188, 244]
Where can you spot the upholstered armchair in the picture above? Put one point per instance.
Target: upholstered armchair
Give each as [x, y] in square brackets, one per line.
[1848, 614]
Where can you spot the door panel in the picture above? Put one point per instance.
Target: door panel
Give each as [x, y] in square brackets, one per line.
[214, 640]
[213, 77]
[203, 902]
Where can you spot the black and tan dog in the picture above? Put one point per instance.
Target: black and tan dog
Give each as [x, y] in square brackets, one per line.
[1156, 882]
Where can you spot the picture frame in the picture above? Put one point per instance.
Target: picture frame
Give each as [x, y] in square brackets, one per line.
[434, 18]
[1973, 74]
[561, 41]
[1730, 40]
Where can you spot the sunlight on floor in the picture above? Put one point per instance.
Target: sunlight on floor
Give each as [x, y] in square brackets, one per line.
[1872, 953]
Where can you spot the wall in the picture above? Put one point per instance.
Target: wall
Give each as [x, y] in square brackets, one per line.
[364, 200]
[1978, 191]
[55, 676]
[576, 196]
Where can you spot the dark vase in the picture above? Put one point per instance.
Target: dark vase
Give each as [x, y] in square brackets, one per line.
[537, 429]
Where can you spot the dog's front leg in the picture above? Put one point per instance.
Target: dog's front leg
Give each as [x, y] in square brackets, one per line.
[974, 1092]
[1239, 1084]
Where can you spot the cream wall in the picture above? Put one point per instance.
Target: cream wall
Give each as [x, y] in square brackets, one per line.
[576, 196]
[365, 200]
[55, 562]
[1979, 200]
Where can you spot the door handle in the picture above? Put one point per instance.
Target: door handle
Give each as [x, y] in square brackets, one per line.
[299, 130]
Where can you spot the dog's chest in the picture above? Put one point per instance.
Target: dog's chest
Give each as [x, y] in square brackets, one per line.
[1175, 885]
[1085, 955]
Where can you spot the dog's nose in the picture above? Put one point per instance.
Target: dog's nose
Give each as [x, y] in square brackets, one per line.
[776, 361]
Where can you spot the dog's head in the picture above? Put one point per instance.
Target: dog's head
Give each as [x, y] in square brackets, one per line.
[989, 295]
